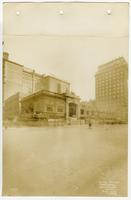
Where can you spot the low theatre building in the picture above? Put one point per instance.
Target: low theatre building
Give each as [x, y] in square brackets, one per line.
[50, 105]
[28, 94]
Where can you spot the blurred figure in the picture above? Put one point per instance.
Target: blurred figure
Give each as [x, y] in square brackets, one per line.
[90, 124]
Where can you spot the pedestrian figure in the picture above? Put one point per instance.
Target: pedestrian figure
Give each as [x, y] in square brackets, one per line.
[90, 124]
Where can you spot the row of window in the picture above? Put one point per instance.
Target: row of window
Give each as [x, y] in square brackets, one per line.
[50, 108]
[109, 82]
[110, 96]
[114, 77]
[111, 86]
[111, 73]
[110, 79]
[108, 90]
[82, 112]
[110, 93]
[112, 99]
[106, 87]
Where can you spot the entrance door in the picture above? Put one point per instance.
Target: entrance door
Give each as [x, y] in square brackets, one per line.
[72, 110]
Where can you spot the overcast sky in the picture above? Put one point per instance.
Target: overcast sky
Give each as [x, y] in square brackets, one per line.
[70, 46]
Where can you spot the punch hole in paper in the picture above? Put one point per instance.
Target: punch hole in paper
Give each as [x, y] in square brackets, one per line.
[61, 12]
[109, 12]
[17, 13]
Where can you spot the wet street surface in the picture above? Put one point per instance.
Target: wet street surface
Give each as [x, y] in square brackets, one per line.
[69, 160]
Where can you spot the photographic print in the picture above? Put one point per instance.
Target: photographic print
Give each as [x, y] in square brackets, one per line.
[65, 99]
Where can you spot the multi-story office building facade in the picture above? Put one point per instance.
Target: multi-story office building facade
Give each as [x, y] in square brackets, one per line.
[18, 78]
[111, 84]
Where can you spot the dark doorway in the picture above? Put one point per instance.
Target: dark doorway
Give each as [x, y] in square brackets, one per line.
[72, 109]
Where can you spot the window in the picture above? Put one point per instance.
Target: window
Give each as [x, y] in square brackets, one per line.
[49, 108]
[60, 109]
[31, 108]
[82, 111]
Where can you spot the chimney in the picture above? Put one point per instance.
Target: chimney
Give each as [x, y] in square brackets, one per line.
[6, 55]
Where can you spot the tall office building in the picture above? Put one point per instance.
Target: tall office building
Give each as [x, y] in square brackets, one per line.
[112, 88]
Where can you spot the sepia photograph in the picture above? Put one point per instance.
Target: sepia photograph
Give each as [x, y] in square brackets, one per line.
[65, 99]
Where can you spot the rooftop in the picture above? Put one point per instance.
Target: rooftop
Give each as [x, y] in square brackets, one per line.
[46, 92]
[117, 61]
[29, 70]
[54, 77]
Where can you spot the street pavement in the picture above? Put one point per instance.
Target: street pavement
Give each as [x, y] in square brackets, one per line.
[65, 161]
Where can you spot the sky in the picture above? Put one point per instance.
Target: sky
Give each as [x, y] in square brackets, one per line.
[70, 45]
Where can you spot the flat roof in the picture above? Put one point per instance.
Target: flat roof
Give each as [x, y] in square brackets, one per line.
[46, 76]
[13, 62]
[30, 71]
[120, 61]
[25, 69]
